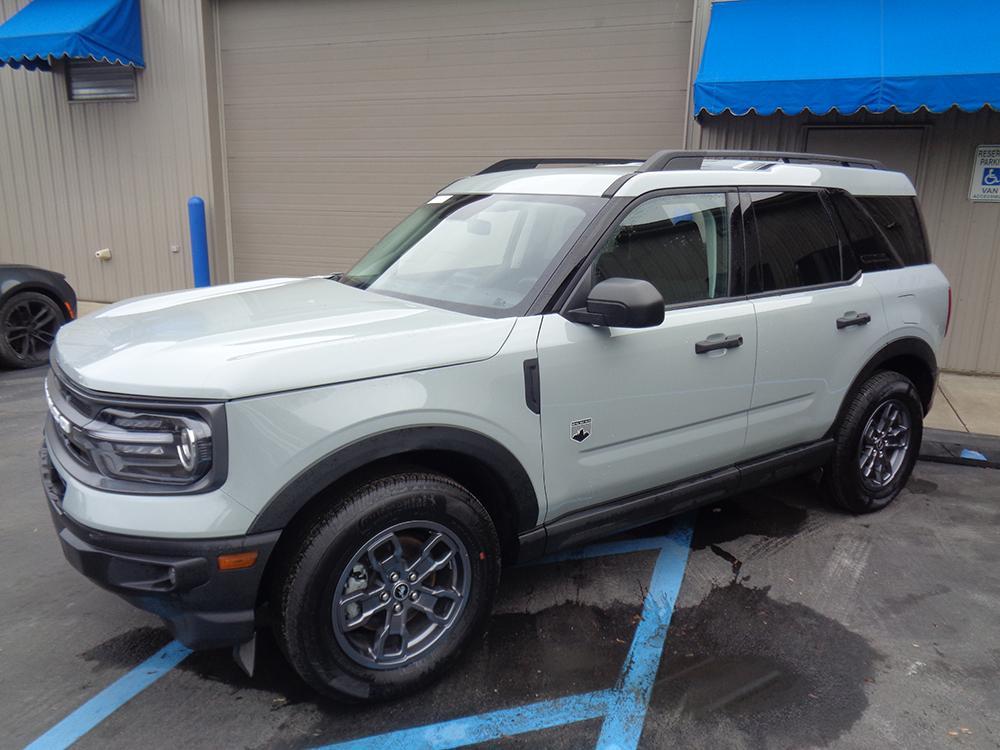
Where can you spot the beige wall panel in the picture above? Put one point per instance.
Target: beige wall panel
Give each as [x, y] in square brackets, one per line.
[340, 117]
[75, 178]
[965, 236]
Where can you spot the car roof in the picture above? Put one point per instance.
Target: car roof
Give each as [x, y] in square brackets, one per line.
[598, 180]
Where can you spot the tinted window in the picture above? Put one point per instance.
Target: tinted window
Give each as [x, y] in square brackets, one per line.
[900, 220]
[797, 244]
[867, 249]
[678, 243]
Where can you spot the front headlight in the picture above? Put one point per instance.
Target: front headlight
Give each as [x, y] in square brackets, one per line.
[123, 443]
[148, 447]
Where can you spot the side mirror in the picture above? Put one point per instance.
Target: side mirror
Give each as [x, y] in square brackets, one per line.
[622, 303]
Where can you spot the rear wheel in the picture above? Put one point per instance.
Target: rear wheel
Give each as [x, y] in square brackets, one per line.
[29, 322]
[384, 590]
[877, 442]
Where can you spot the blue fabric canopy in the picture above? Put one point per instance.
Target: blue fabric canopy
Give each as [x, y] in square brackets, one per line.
[845, 55]
[102, 30]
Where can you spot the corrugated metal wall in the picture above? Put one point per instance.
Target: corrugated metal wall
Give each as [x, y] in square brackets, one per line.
[75, 178]
[965, 236]
[341, 117]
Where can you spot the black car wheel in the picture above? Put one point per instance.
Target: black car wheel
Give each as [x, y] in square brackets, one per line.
[28, 325]
[380, 594]
[877, 441]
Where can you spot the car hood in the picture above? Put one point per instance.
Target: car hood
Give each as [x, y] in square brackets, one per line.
[260, 337]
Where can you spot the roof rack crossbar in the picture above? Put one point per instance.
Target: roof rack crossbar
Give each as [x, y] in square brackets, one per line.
[672, 159]
[505, 165]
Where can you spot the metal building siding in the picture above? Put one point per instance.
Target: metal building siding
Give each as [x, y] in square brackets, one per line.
[341, 117]
[964, 236]
[78, 177]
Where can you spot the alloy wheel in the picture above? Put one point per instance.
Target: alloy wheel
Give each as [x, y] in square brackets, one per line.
[885, 440]
[400, 594]
[30, 328]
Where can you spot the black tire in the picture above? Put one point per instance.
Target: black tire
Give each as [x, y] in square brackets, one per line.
[322, 652]
[28, 325]
[845, 476]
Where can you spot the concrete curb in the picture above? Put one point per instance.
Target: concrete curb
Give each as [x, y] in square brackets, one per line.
[961, 448]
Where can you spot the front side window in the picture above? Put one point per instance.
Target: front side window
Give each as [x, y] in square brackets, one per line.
[482, 254]
[678, 243]
[796, 242]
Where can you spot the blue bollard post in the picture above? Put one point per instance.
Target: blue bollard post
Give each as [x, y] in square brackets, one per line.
[199, 242]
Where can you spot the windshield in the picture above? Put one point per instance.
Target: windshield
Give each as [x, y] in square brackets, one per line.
[483, 254]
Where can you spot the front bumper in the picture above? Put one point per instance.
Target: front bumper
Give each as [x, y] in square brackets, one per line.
[175, 579]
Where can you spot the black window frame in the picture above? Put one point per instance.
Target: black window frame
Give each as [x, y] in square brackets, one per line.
[571, 283]
[752, 241]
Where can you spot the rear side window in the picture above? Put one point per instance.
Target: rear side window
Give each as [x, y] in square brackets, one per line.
[867, 249]
[899, 218]
[797, 244]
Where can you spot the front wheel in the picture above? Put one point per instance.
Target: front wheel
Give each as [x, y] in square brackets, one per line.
[386, 588]
[877, 442]
[29, 322]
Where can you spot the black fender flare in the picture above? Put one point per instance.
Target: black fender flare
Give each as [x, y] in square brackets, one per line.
[910, 346]
[309, 483]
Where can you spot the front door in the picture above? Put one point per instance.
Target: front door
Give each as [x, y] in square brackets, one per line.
[626, 410]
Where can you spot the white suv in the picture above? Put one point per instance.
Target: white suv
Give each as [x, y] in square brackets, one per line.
[540, 355]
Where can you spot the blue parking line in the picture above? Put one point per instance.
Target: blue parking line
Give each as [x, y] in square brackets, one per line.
[109, 700]
[485, 727]
[627, 712]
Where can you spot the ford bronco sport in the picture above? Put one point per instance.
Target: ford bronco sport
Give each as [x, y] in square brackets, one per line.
[543, 354]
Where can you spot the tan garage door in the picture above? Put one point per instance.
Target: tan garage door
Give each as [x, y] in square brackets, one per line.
[341, 116]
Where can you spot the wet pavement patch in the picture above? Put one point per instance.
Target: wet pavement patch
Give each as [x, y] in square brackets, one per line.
[524, 658]
[765, 514]
[919, 486]
[128, 649]
[779, 673]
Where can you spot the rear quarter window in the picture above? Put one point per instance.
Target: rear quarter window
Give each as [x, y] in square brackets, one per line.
[867, 248]
[899, 218]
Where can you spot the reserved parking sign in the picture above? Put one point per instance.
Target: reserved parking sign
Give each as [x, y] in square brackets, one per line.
[986, 174]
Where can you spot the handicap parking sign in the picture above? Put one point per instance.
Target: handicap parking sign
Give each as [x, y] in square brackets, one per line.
[986, 174]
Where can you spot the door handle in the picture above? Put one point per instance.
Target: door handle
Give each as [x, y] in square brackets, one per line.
[858, 319]
[723, 342]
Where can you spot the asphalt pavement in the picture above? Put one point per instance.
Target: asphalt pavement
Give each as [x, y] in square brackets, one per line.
[795, 626]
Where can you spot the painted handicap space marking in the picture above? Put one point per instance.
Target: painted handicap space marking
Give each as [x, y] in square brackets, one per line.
[113, 697]
[971, 455]
[623, 707]
[489, 726]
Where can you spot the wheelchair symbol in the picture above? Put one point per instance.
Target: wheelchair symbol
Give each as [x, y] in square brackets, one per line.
[991, 176]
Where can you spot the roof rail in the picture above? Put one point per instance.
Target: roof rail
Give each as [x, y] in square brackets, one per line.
[668, 160]
[505, 165]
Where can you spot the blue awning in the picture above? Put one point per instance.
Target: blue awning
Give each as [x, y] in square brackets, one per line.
[845, 55]
[45, 30]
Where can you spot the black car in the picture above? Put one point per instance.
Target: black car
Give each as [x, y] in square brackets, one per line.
[34, 303]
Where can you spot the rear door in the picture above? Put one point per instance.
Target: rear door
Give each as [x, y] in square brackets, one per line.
[818, 318]
[626, 410]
